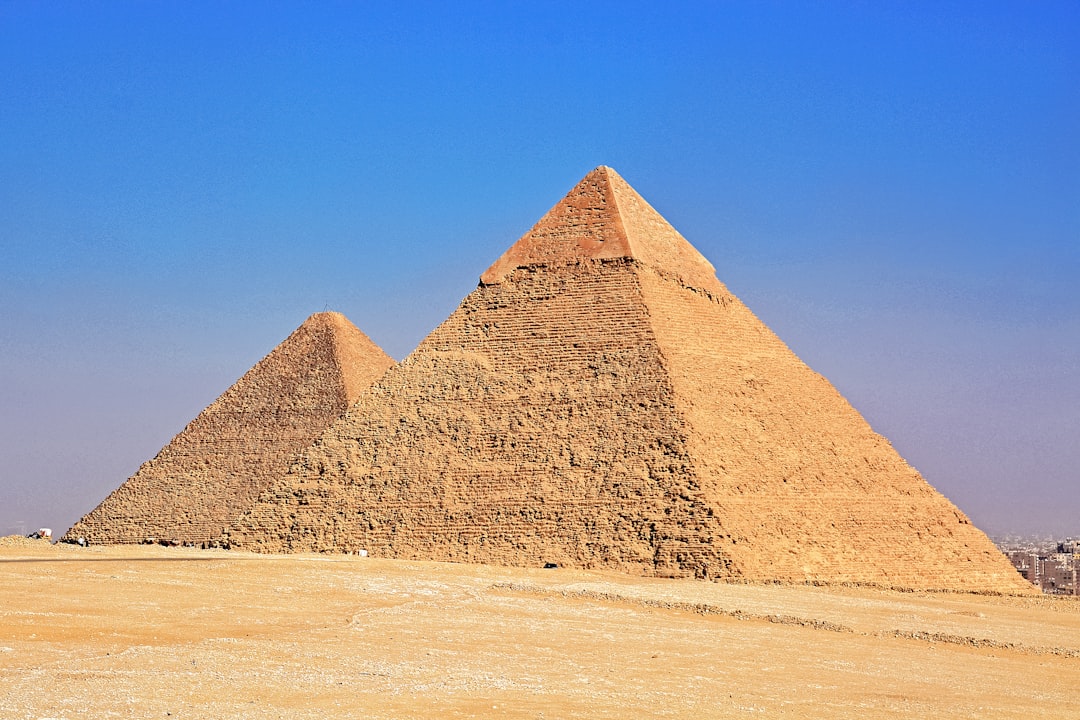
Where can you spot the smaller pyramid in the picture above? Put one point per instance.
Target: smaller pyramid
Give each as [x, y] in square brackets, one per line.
[215, 469]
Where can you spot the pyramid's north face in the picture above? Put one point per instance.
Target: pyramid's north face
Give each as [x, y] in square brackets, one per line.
[602, 400]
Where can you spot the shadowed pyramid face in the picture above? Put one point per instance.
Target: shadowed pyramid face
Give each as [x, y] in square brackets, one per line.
[601, 400]
[214, 470]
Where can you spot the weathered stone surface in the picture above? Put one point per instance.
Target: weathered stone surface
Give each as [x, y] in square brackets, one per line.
[602, 400]
[214, 470]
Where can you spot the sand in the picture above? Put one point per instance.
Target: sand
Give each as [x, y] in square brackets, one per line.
[154, 632]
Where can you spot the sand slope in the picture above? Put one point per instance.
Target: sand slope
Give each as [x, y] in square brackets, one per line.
[151, 632]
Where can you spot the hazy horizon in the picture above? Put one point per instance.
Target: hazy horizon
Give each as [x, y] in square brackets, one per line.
[895, 191]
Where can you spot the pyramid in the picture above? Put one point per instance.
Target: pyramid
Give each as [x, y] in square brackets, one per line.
[214, 470]
[601, 400]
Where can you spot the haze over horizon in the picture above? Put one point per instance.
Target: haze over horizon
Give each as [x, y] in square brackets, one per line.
[895, 191]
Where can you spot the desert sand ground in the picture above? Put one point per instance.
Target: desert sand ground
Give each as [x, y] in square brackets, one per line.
[152, 632]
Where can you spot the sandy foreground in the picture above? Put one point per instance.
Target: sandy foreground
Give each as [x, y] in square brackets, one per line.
[153, 632]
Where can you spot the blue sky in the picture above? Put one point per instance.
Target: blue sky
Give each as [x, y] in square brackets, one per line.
[893, 187]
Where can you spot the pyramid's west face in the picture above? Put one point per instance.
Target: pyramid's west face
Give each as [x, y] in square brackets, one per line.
[601, 400]
[213, 470]
[536, 424]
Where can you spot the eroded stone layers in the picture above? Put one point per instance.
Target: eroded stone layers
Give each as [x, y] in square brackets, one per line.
[602, 400]
[537, 424]
[214, 470]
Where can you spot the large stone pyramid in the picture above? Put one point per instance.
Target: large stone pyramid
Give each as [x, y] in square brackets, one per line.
[602, 400]
[215, 469]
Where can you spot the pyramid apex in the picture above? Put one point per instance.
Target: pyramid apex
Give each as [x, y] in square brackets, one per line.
[330, 321]
[602, 217]
[326, 316]
[358, 358]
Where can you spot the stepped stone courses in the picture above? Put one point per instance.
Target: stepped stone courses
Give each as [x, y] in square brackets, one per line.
[215, 469]
[602, 400]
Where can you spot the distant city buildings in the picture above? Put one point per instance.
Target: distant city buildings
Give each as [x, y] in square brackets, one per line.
[1049, 565]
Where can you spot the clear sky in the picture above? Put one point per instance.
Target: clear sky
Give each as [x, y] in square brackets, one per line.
[893, 187]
